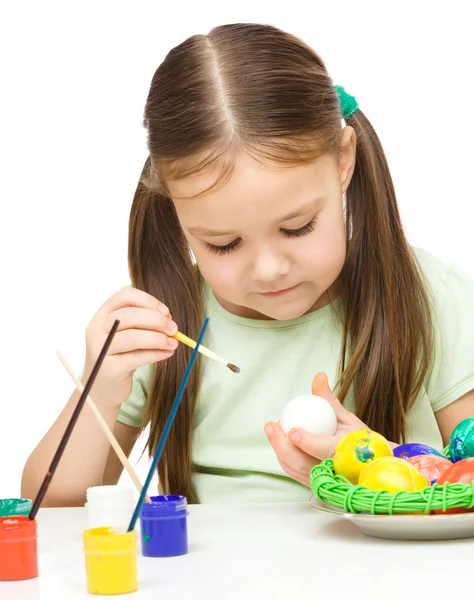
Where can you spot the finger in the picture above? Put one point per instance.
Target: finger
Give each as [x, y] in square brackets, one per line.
[319, 446]
[137, 339]
[130, 296]
[287, 452]
[299, 477]
[130, 361]
[321, 388]
[140, 318]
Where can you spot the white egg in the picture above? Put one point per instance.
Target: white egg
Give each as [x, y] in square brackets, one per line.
[311, 413]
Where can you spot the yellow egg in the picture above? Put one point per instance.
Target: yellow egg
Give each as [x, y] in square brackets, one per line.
[393, 475]
[357, 449]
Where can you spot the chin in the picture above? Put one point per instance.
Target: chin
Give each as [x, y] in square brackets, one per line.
[286, 312]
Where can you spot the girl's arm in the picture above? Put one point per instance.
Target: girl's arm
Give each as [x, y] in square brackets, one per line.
[87, 460]
[143, 338]
[450, 416]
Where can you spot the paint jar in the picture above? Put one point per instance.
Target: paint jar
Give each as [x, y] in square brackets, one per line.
[18, 548]
[110, 506]
[10, 507]
[164, 528]
[111, 561]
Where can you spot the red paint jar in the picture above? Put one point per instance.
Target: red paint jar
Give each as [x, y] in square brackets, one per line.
[18, 548]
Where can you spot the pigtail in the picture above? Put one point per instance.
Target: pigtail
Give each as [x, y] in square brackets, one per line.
[160, 264]
[388, 331]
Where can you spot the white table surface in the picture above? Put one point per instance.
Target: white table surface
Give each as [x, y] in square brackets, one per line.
[258, 551]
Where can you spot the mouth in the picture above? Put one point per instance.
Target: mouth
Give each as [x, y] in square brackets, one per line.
[278, 293]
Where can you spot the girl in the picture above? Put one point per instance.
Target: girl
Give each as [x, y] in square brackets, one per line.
[302, 265]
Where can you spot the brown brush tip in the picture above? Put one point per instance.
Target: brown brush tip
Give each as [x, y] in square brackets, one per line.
[233, 368]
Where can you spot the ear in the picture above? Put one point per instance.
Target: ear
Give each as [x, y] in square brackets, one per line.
[347, 157]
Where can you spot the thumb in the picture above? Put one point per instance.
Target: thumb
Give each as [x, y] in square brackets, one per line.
[321, 388]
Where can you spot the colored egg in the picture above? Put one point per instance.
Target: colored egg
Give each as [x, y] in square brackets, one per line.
[429, 465]
[459, 472]
[407, 450]
[393, 475]
[461, 444]
[357, 449]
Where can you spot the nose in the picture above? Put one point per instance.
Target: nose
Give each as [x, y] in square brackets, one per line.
[269, 265]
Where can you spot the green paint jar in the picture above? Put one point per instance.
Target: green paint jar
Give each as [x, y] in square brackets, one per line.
[13, 507]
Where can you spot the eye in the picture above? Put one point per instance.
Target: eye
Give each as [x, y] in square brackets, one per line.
[223, 249]
[308, 228]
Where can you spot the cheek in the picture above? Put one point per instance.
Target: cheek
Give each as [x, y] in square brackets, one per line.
[325, 253]
[219, 271]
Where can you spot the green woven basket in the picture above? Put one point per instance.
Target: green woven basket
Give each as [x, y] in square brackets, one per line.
[337, 491]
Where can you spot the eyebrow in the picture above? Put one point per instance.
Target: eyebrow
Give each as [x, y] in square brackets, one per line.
[201, 231]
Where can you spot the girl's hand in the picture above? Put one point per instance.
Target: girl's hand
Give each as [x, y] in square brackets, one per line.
[301, 450]
[143, 337]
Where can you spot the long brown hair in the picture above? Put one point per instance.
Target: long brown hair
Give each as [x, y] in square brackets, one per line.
[254, 88]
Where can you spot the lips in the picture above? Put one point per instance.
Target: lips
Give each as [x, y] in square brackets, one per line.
[277, 293]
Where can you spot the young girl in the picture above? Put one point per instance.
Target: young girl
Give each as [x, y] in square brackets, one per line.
[273, 179]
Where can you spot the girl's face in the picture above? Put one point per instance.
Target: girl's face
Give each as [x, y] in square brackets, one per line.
[271, 241]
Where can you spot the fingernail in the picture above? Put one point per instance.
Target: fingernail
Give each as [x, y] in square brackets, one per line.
[269, 430]
[172, 328]
[295, 436]
[164, 309]
[172, 343]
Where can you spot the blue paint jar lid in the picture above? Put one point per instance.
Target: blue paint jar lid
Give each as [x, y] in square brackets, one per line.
[164, 506]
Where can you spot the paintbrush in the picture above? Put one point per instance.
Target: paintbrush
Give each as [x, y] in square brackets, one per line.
[192, 344]
[166, 429]
[105, 428]
[70, 426]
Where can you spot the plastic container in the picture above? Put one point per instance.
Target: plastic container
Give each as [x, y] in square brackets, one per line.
[10, 507]
[18, 548]
[111, 561]
[164, 527]
[110, 506]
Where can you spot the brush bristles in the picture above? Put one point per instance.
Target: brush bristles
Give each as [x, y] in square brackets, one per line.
[233, 368]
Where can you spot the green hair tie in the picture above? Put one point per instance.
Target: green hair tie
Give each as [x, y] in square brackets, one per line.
[348, 103]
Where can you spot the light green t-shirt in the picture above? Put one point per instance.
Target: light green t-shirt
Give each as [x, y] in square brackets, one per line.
[233, 459]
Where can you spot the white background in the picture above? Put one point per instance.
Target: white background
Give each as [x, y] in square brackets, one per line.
[74, 79]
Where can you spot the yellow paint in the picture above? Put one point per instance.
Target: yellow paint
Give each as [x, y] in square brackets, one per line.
[111, 561]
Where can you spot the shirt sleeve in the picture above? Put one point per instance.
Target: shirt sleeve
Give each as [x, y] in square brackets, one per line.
[133, 409]
[453, 367]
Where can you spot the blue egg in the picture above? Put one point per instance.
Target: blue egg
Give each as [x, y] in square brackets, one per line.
[461, 444]
[408, 450]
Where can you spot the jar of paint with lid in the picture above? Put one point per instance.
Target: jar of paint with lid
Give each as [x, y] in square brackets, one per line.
[110, 506]
[18, 548]
[164, 527]
[111, 561]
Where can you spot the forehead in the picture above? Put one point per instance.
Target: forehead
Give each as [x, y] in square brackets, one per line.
[253, 186]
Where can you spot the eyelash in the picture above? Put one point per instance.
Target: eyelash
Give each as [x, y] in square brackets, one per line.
[289, 233]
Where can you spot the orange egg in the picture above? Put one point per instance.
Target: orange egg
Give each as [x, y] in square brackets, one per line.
[393, 475]
[429, 465]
